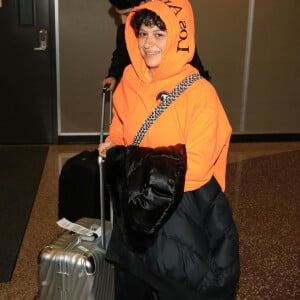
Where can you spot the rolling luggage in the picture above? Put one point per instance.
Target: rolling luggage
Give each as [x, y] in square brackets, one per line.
[78, 194]
[73, 266]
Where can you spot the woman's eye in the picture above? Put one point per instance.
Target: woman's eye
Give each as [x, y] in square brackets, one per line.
[142, 34]
[159, 35]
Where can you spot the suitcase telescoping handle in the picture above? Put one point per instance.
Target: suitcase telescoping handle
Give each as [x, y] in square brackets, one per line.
[100, 162]
[104, 91]
[102, 205]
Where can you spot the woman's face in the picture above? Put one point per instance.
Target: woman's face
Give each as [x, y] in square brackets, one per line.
[152, 42]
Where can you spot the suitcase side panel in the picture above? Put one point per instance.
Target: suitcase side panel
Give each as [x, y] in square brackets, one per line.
[71, 269]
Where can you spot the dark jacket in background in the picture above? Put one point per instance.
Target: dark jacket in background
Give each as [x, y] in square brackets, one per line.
[120, 58]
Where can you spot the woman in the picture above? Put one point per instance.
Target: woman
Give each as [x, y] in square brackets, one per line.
[195, 255]
[120, 58]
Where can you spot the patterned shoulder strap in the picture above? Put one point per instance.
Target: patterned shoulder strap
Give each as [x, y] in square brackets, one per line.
[166, 101]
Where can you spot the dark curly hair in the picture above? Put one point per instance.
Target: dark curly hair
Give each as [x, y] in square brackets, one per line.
[148, 18]
[124, 4]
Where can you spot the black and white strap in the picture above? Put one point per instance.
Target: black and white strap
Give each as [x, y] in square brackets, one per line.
[165, 102]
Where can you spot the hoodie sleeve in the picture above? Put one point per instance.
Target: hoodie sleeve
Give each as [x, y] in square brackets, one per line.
[207, 138]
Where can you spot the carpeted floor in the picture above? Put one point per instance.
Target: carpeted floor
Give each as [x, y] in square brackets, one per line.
[264, 193]
[20, 173]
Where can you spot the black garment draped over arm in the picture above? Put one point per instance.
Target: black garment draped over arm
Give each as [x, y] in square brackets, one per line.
[145, 186]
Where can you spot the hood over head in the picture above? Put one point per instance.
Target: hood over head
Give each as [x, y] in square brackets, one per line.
[179, 20]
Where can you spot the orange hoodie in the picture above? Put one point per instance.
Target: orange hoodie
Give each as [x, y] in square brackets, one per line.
[196, 118]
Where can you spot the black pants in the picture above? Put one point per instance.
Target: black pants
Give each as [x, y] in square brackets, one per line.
[129, 287]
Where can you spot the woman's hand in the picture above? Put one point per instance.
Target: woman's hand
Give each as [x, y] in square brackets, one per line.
[103, 147]
[111, 82]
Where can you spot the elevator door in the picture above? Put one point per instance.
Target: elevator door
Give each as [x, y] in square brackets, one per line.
[27, 96]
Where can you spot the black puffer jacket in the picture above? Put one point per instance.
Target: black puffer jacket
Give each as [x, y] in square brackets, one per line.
[196, 251]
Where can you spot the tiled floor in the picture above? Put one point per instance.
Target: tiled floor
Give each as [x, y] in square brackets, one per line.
[42, 226]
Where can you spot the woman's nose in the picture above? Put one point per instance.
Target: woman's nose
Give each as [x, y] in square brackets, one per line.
[149, 42]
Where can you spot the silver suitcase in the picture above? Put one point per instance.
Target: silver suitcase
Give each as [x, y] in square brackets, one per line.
[73, 266]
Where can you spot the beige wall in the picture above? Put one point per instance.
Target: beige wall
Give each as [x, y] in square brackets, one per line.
[263, 100]
[86, 40]
[221, 30]
[274, 85]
